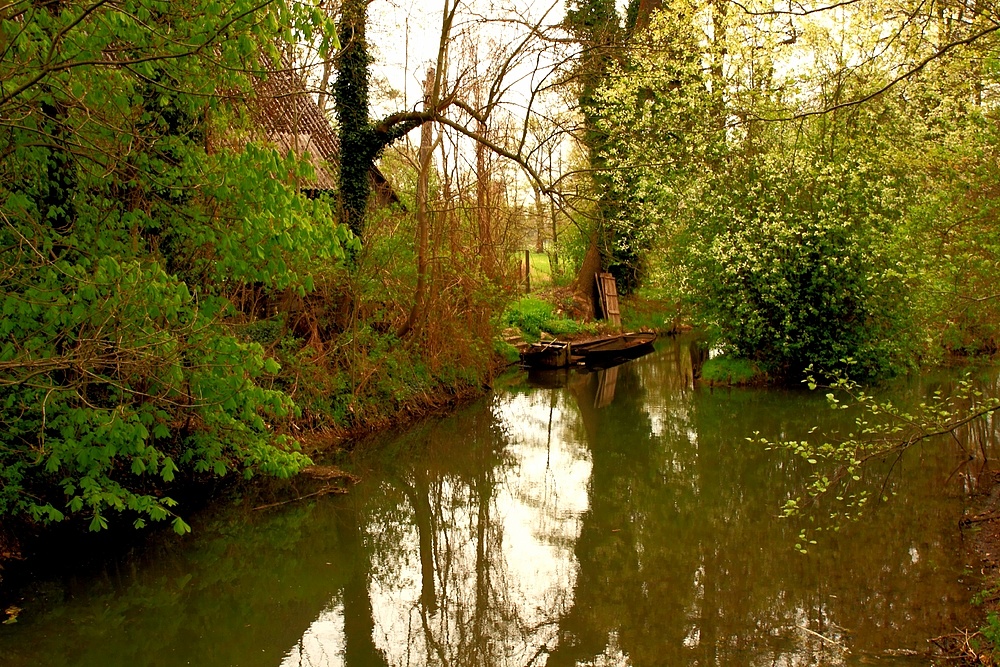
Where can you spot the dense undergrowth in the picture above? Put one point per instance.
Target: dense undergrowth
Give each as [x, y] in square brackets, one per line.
[177, 307]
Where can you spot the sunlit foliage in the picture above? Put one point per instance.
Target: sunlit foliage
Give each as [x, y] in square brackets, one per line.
[814, 185]
[132, 208]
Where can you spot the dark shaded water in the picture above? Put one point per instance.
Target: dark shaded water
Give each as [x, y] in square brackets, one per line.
[610, 518]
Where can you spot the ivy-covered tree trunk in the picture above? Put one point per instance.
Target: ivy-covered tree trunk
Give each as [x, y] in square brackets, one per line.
[598, 28]
[361, 140]
[358, 148]
[595, 25]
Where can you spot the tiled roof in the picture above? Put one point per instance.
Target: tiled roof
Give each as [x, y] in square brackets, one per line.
[292, 120]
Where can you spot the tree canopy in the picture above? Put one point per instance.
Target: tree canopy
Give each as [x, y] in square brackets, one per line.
[780, 168]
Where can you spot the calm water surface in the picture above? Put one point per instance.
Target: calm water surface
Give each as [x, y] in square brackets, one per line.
[607, 518]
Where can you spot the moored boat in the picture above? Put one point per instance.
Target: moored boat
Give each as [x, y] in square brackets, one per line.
[605, 351]
[609, 349]
[547, 354]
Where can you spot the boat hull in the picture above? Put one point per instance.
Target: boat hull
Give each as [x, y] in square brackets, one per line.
[613, 349]
[607, 351]
[555, 354]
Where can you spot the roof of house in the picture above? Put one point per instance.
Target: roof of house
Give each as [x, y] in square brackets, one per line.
[292, 120]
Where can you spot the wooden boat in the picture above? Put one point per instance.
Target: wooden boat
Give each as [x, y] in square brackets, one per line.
[547, 354]
[613, 348]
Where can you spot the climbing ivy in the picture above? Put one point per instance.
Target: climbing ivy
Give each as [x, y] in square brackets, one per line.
[362, 141]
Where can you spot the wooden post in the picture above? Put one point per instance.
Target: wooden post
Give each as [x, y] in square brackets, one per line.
[527, 272]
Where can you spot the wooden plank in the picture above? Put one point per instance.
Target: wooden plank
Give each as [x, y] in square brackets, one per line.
[607, 292]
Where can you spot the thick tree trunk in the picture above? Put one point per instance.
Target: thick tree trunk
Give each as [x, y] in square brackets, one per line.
[584, 288]
[361, 140]
[640, 11]
[357, 146]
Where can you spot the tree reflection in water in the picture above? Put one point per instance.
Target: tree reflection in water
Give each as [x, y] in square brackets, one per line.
[610, 518]
[620, 517]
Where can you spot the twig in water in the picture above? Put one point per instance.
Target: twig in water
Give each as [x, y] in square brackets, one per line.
[826, 639]
[979, 518]
[322, 492]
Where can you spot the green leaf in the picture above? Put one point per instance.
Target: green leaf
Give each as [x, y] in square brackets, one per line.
[98, 523]
[168, 469]
[180, 527]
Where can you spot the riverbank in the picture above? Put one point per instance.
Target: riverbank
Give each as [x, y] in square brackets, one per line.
[374, 384]
[31, 549]
[981, 537]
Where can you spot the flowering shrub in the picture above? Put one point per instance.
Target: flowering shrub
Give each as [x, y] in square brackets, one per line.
[796, 267]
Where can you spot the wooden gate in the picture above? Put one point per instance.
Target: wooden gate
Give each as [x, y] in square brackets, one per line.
[607, 292]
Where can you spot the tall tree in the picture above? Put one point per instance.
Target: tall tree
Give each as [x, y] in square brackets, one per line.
[595, 25]
[603, 35]
[362, 140]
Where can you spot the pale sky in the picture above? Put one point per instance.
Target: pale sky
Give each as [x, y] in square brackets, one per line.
[405, 35]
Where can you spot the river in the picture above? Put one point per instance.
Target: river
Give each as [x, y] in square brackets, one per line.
[609, 518]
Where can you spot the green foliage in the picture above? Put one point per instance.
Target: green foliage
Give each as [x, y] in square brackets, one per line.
[506, 351]
[572, 248]
[124, 240]
[534, 316]
[791, 268]
[349, 370]
[529, 315]
[788, 254]
[655, 309]
[986, 642]
[597, 26]
[839, 234]
[662, 130]
[986, 594]
[541, 269]
[729, 370]
[954, 227]
[380, 379]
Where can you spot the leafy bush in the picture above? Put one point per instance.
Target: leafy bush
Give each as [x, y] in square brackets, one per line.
[729, 370]
[796, 268]
[652, 309]
[124, 244]
[530, 315]
[506, 351]
[991, 634]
